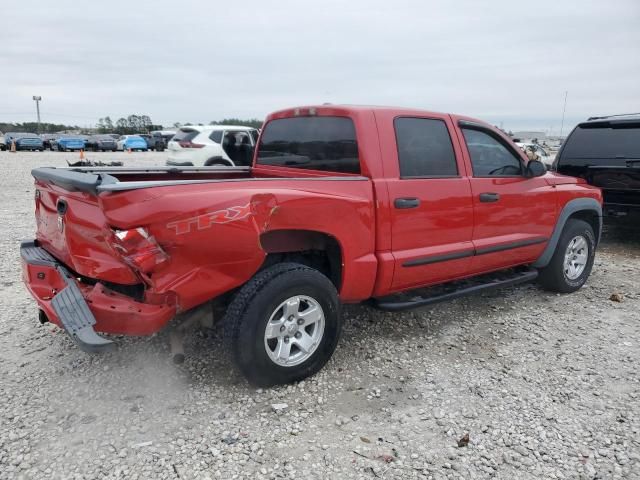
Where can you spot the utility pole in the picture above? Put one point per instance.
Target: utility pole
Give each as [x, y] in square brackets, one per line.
[564, 109]
[37, 99]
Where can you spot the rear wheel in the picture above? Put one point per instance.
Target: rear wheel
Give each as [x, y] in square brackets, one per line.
[283, 325]
[572, 261]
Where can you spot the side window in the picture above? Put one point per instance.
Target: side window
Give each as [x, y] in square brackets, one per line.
[489, 157]
[216, 136]
[424, 148]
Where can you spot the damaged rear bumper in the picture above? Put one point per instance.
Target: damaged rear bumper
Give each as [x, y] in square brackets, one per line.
[83, 309]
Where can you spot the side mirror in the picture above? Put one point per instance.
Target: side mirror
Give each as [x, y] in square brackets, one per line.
[535, 168]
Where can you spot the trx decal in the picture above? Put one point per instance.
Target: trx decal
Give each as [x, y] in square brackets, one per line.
[206, 220]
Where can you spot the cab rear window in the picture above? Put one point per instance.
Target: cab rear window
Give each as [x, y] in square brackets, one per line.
[324, 143]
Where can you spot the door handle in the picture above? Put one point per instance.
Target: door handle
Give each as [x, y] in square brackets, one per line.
[489, 197]
[406, 202]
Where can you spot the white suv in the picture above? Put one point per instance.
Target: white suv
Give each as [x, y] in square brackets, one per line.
[220, 145]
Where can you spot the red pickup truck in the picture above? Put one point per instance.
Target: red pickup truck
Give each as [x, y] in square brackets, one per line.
[398, 207]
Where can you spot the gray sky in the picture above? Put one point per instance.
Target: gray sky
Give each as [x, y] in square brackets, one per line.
[199, 61]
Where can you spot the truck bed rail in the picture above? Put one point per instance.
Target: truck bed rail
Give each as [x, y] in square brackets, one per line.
[103, 179]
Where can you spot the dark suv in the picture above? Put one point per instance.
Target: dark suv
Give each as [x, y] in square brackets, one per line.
[155, 141]
[605, 151]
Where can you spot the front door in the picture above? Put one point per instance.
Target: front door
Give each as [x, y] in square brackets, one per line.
[431, 207]
[514, 215]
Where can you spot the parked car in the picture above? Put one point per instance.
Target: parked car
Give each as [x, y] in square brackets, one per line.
[132, 142]
[101, 143]
[154, 142]
[67, 142]
[605, 151]
[3, 142]
[24, 141]
[342, 204]
[212, 145]
[46, 140]
[539, 152]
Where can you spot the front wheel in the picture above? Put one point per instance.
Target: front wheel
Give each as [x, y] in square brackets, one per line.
[283, 325]
[572, 261]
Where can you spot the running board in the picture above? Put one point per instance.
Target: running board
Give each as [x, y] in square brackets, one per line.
[428, 296]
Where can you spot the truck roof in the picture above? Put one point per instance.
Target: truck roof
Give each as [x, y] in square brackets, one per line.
[329, 108]
[622, 116]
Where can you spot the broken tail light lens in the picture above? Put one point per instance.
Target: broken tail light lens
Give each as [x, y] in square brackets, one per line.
[139, 249]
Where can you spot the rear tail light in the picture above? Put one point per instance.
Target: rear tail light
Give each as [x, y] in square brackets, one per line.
[189, 144]
[139, 249]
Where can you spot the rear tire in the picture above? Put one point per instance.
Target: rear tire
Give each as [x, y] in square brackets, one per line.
[276, 296]
[572, 260]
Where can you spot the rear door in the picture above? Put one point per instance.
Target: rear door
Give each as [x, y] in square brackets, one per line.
[514, 215]
[430, 195]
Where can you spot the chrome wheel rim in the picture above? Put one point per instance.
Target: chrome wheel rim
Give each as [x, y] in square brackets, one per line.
[294, 331]
[575, 257]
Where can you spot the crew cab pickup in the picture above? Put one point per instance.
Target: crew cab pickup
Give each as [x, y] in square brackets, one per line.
[397, 207]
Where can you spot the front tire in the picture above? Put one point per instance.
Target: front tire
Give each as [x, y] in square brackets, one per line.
[572, 261]
[283, 325]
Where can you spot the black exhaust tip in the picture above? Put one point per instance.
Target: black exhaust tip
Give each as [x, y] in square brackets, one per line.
[178, 358]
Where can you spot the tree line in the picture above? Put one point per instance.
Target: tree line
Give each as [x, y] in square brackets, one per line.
[252, 122]
[123, 125]
[32, 127]
[131, 124]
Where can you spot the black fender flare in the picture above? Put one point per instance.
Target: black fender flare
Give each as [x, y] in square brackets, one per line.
[571, 207]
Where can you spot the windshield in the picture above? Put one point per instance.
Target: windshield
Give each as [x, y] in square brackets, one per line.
[315, 143]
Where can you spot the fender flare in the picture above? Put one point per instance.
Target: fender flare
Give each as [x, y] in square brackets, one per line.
[571, 207]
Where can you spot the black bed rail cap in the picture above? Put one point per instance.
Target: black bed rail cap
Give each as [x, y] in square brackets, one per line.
[72, 180]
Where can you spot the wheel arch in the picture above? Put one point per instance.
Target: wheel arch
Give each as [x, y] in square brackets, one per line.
[218, 159]
[587, 209]
[313, 248]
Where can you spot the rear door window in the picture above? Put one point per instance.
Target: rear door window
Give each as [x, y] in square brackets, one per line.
[315, 143]
[216, 136]
[424, 148]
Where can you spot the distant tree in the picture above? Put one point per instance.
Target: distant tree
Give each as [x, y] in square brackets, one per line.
[253, 122]
[121, 126]
[146, 123]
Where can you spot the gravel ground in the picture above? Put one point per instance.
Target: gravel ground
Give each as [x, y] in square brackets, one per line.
[546, 386]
